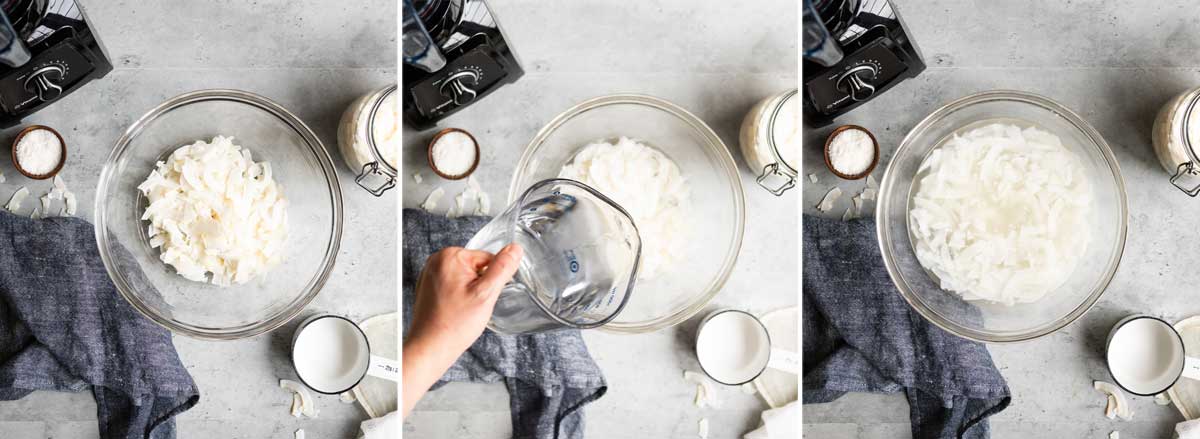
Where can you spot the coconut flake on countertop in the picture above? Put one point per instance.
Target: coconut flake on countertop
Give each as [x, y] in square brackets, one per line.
[830, 198]
[649, 185]
[417, 178]
[1001, 214]
[300, 397]
[299, 434]
[14, 203]
[851, 213]
[1162, 399]
[431, 201]
[70, 204]
[704, 390]
[1118, 406]
[812, 178]
[702, 428]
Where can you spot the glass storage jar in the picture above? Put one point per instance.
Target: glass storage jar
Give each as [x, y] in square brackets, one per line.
[1176, 136]
[369, 139]
[770, 141]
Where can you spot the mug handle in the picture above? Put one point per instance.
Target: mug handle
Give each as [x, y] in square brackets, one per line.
[788, 361]
[384, 368]
[1191, 368]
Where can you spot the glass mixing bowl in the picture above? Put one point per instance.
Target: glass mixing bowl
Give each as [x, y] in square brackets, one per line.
[301, 166]
[985, 321]
[718, 206]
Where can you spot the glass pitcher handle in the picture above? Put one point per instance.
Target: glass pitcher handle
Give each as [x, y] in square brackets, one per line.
[419, 48]
[13, 52]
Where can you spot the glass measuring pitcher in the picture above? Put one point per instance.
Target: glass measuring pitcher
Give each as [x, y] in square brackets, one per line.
[581, 258]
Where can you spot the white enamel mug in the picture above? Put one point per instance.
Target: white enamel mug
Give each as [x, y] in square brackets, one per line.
[1145, 355]
[331, 355]
[734, 347]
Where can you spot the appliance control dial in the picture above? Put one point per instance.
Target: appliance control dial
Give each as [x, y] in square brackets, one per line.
[857, 82]
[457, 87]
[44, 82]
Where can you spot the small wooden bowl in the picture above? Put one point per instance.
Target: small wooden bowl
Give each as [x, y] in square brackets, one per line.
[874, 160]
[433, 166]
[17, 163]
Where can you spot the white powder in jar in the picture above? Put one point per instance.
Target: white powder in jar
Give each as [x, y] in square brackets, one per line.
[386, 130]
[851, 151]
[648, 185]
[39, 152]
[787, 133]
[454, 153]
[1001, 214]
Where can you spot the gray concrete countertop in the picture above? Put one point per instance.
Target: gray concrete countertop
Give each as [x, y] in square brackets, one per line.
[715, 59]
[1116, 66]
[313, 57]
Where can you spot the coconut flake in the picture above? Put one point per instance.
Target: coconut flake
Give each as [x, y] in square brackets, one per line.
[1114, 435]
[299, 434]
[868, 193]
[1001, 214]
[417, 178]
[347, 397]
[1118, 406]
[702, 428]
[70, 204]
[850, 214]
[307, 407]
[14, 203]
[704, 390]
[812, 178]
[830, 198]
[220, 216]
[297, 406]
[431, 201]
[1162, 399]
[484, 204]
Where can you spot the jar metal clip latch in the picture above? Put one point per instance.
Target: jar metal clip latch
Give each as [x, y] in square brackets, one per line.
[385, 181]
[788, 182]
[1186, 168]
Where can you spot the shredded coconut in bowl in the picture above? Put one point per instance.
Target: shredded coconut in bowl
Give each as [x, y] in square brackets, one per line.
[1001, 214]
[214, 211]
[648, 185]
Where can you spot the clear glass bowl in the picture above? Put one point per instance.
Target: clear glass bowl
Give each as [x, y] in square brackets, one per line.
[718, 204]
[305, 173]
[984, 321]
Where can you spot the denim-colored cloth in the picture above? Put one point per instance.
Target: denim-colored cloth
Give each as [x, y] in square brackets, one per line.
[64, 327]
[550, 376]
[861, 336]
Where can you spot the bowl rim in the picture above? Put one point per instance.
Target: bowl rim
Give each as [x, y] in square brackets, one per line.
[889, 179]
[728, 165]
[107, 177]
